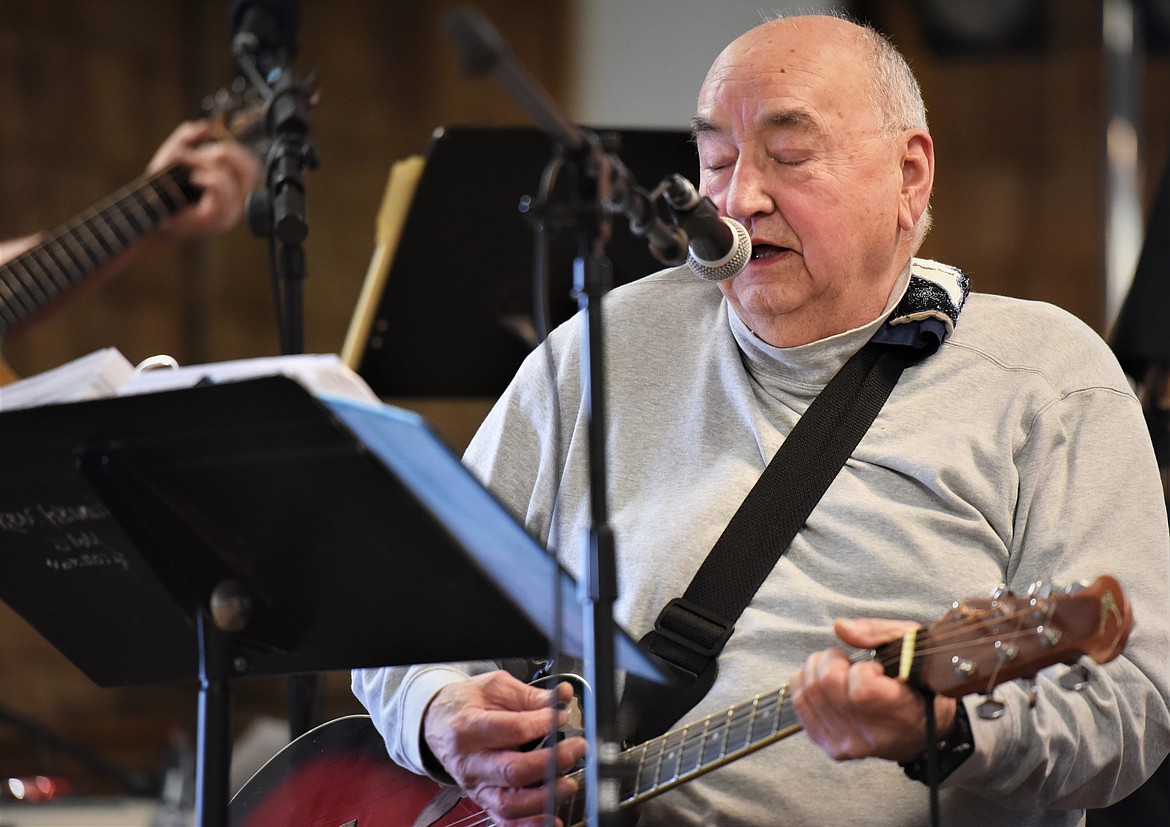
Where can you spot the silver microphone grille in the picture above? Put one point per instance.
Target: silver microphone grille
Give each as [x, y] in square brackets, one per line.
[730, 265]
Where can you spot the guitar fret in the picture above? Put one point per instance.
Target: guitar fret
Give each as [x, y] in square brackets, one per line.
[152, 199]
[117, 231]
[64, 265]
[658, 766]
[173, 185]
[150, 203]
[691, 755]
[101, 226]
[764, 719]
[78, 252]
[83, 237]
[668, 749]
[71, 267]
[682, 748]
[642, 750]
[138, 225]
[683, 754]
[118, 218]
[749, 738]
[100, 217]
[712, 746]
[7, 297]
[679, 756]
[736, 737]
[726, 732]
[18, 289]
[31, 282]
[703, 740]
[11, 279]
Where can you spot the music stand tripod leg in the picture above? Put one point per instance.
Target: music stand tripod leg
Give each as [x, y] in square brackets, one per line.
[218, 653]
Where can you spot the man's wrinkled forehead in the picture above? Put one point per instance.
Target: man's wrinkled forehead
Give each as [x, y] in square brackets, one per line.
[761, 84]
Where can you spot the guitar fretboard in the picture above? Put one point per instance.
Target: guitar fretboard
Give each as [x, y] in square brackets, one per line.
[88, 240]
[679, 756]
[701, 746]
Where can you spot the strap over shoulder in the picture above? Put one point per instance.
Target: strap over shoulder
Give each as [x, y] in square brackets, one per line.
[930, 307]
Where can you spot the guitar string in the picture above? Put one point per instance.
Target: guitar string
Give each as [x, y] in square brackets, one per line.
[720, 725]
[657, 747]
[936, 642]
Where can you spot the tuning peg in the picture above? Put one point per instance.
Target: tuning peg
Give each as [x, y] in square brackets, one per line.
[964, 668]
[1048, 636]
[1076, 678]
[990, 709]
[999, 591]
[1078, 586]
[1039, 589]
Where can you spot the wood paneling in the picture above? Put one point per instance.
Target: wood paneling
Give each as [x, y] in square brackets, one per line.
[88, 89]
[1019, 200]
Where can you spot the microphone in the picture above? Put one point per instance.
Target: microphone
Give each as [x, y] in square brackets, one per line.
[719, 247]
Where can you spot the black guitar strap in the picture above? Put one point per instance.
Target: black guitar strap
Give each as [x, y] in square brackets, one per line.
[692, 630]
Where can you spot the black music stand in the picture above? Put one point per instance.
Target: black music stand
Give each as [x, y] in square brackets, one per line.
[251, 528]
[465, 214]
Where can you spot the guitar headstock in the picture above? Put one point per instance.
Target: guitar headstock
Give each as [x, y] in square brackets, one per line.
[979, 644]
[238, 112]
[240, 109]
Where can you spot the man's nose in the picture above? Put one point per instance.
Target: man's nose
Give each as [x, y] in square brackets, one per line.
[747, 192]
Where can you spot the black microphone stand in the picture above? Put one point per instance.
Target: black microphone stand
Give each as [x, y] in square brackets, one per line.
[599, 187]
[277, 212]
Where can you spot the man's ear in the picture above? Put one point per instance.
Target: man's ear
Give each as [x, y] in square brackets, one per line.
[917, 178]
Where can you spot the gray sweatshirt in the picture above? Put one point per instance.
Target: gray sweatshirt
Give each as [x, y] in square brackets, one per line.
[1015, 453]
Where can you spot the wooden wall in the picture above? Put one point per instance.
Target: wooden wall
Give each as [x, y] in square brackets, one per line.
[1019, 198]
[88, 89]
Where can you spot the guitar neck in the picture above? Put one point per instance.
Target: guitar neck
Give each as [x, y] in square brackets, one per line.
[88, 240]
[684, 754]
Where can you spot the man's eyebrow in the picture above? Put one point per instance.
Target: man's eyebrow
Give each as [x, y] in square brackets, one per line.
[795, 119]
[798, 119]
[699, 124]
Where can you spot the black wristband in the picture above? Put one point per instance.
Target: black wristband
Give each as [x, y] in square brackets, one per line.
[955, 747]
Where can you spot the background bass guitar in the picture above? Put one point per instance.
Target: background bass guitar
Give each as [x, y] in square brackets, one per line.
[64, 257]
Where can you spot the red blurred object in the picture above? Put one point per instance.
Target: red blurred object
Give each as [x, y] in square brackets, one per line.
[33, 788]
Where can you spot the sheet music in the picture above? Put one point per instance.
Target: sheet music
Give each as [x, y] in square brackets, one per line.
[107, 372]
[93, 376]
[323, 374]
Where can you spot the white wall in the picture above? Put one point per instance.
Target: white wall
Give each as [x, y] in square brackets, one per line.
[639, 63]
